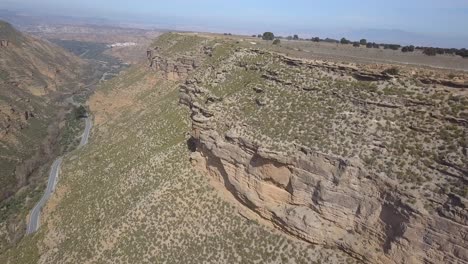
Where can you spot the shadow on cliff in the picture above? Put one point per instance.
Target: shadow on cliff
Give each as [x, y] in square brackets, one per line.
[394, 222]
[216, 167]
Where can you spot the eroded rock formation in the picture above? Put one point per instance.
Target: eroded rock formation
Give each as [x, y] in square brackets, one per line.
[4, 43]
[325, 199]
[176, 69]
[321, 198]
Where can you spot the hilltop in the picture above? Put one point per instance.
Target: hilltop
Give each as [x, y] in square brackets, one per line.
[7, 32]
[223, 151]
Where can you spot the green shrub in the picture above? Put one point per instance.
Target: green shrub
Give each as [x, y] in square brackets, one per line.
[430, 51]
[268, 36]
[80, 112]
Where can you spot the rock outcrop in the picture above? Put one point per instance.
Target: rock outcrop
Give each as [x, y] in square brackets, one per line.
[325, 199]
[317, 197]
[4, 43]
[371, 72]
[176, 69]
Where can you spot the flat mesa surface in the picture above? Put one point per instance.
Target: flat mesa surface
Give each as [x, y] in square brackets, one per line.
[339, 53]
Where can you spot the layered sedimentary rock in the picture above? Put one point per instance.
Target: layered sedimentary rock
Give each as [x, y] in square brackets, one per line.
[176, 69]
[321, 198]
[327, 200]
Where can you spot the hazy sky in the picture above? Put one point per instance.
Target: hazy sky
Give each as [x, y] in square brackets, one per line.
[431, 17]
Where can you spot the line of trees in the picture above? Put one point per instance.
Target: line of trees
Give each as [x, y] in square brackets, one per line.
[429, 51]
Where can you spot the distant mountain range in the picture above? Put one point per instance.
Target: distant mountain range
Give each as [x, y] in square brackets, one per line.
[392, 36]
[20, 19]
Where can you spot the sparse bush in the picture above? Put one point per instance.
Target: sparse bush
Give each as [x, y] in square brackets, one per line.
[356, 44]
[429, 51]
[80, 112]
[463, 53]
[407, 48]
[268, 36]
[392, 46]
[392, 71]
[344, 41]
[315, 39]
[330, 40]
[276, 42]
[296, 37]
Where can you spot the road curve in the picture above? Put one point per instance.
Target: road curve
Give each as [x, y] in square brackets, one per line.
[35, 215]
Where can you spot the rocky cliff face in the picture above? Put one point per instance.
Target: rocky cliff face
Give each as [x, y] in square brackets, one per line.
[346, 201]
[328, 200]
[174, 69]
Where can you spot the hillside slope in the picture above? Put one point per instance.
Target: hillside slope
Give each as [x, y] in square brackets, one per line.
[364, 159]
[32, 74]
[35, 77]
[131, 195]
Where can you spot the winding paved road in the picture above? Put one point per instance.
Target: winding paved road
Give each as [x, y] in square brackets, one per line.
[85, 137]
[35, 216]
[34, 219]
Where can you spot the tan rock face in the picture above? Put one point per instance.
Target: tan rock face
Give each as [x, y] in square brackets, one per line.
[328, 200]
[173, 69]
[323, 198]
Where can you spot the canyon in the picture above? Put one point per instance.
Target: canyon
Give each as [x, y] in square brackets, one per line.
[215, 150]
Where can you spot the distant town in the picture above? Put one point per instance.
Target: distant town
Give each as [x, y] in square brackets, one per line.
[119, 44]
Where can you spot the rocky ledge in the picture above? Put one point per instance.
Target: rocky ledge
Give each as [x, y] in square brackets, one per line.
[174, 69]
